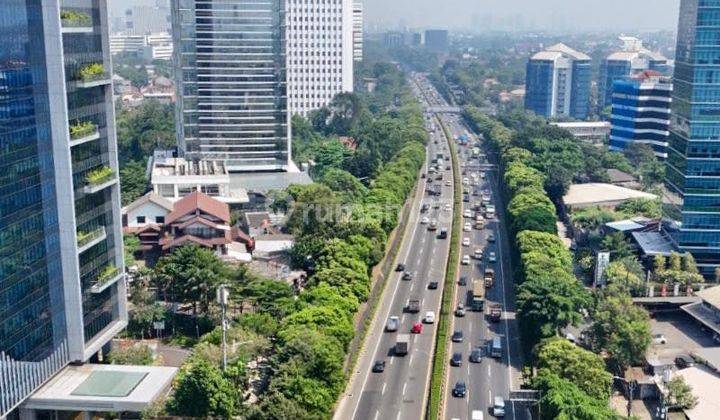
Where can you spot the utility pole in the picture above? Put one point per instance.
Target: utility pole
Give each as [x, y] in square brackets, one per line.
[222, 298]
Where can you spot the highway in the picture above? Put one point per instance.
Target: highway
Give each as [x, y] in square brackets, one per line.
[400, 391]
[492, 376]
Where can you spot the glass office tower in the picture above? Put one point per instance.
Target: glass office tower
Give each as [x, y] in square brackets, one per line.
[693, 164]
[232, 83]
[62, 291]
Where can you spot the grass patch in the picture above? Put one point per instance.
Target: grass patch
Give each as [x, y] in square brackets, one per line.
[439, 363]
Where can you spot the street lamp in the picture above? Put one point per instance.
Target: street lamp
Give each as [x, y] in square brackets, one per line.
[223, 293]
[630, 390]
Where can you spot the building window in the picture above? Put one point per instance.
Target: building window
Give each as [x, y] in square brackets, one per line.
[141, 219]
[160, 220]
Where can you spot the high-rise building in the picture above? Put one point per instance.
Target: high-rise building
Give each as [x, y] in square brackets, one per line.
[358, 30]
[558, 83]
[436, 40]
[641, 111]
[62, 288]
[630, 59]
[693, 163]
[394, 39]
[320, 40]
[230, 61]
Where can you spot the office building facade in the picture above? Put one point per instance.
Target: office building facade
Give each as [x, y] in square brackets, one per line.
[320, 52]
[630, 59]
[230, 60]
[558, 83]
[641, 112]
[436, 40]
[358, 30]
[62, 288]
[693, 163]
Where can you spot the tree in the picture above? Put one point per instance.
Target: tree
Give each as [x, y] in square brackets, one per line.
[639, 154]
[680, 393]
[583, 368]
[344, 184]
[623, 279]
[617, 245]
[675, 262]
[689, 265]
[621, 329]
[133, 183]
[143, 129]
[201, 390]
[659, 264]
[563, 400]
[139, 354]
[131, 244]
[190, 274]
[275, 405]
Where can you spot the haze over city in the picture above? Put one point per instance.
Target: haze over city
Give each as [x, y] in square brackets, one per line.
[521, 15]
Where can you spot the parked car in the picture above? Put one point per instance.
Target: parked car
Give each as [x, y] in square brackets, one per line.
[392, 324]
[684, 361]
[379, 366]
[459, 390]
[456, 359]
[659, 339]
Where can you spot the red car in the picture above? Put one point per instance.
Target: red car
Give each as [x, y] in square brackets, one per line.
[417, 328]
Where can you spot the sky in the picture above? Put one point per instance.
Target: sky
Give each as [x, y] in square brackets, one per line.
[560, 15]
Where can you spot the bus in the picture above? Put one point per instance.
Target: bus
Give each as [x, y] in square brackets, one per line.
[478, 298]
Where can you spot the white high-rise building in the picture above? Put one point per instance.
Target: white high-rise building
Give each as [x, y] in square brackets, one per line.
[358, 30]
[320, 40]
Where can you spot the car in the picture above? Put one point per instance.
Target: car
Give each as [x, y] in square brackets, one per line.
[448, 207]
[476, 355]
[491, 237]
[429, 317]
[448, 183]
[466, 242]
[433, 285]
[467, 214]
[477, 415]
[417, 328]
[684, 361]
[425, 207]
[436, 205]
[478, 254]
[659, 339]
[408, 275]
[457, 336]
[400, 267]
[459, 390]
[462, 281]
[467, 227]
[491, 257]
[460, 310]
[447, 167]
[379, 366]
[466, 260]
[456, 359]
[424, 220]
[498, 409]
[392, 324]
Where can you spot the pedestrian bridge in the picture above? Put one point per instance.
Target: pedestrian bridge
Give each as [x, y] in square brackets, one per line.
[445, 109]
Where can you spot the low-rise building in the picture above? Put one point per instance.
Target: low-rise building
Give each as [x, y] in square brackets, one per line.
[707, 311]
[595, 132]
[150, 209]
[200, 219]
[581, 196]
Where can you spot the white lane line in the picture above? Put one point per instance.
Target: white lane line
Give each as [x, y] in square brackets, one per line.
[489, 396]
[404, 388]
[398, 416]
[411, 359]
[402, 320]
[383, 389]
[412, 286]
[489, 372]
[377, 414]
[392, 359]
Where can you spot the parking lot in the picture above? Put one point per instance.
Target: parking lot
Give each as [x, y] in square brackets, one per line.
[683, 335]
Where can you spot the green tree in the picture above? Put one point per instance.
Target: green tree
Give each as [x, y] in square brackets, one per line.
[275, 405]
[131, 244]
[688, 264]
[143, 129]
[583, 368]
[133, 183]
[680, 393]
[617, 245]
[344, 184]
[563, 400]
[675, 262]
[659, 264]
[201, 390]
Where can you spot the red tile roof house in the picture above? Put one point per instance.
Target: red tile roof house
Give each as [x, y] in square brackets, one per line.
[200, 219]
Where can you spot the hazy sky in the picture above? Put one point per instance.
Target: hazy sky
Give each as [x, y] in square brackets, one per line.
[613, 15]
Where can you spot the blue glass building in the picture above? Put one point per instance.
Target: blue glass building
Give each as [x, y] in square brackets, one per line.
[632, 58]
[558, 82]
[693, 164]
[641, 112]
[62, 294]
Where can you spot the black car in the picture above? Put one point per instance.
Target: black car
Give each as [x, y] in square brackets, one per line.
[433, 285]
[457, 336]
[491, 237]
[408, 275]
[460, 389]
[476, 355]
[684, 361]
[456, 359]
[379, 366]
[400, 267]
[462, 281]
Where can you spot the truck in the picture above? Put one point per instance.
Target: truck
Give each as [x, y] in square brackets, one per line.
[495, 348]
[402, 344]
[413, 306]
[478, 296]
[489, 277]
[495, 312]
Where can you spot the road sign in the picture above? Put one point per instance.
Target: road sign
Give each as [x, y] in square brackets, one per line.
[524, 395]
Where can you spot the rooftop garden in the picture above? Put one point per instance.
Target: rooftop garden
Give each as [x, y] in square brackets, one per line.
[82, 129]
[92, 72]
[99, 176]
[75, 19]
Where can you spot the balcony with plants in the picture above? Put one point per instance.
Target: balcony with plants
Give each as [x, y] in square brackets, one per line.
[87, 238]
[82, 132]
[74, 21]
[91, 75]
[108, 276]
[99, 179]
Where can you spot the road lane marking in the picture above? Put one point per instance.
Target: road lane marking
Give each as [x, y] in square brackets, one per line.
[398, 416]
[411, 359]
[377, 414]
[383, 391]
[392, 359]
[489, 371]
[404, 388]
[489, 397]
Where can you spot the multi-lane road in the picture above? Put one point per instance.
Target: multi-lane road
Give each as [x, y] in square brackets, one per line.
[401, 391]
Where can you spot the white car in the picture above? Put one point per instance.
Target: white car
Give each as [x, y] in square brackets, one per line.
[424, 221]
[429, 317]
[466, 260]
[467, 227]
[478, 253]
[467, 214]
[492, 257]
[466, 181]
[466, 242]
[448, 183]
[448, 207]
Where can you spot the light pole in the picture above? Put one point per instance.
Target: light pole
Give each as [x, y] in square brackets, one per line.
[630, 390]
[222, 298]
